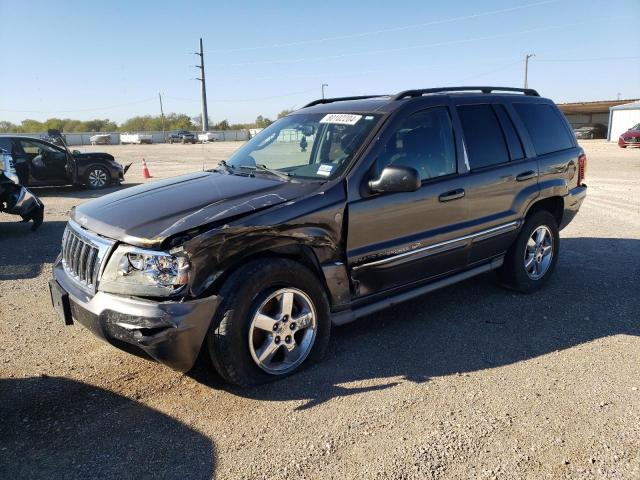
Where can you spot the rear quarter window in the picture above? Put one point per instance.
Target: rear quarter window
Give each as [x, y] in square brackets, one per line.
[546, 127]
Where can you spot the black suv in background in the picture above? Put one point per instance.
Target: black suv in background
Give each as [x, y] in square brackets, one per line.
[182, 136]
[345, 207]
[42, 163]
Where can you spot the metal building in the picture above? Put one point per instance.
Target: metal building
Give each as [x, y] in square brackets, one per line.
[582, 113]
[622, 118]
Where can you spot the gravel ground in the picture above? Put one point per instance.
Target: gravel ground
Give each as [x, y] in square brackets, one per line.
[468, 382]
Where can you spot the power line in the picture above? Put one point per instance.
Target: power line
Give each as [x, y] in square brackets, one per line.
[244, 99]
[82, 109]
[415, 47]
[390, 30]
[594, 59]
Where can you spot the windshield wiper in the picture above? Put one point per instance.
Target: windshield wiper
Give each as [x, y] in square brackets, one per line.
[264, 168]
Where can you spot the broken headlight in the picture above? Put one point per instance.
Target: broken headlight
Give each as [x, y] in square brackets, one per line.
[136, 271]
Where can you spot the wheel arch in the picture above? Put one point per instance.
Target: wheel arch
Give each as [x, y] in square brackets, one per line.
[295, 251]
[553, 205]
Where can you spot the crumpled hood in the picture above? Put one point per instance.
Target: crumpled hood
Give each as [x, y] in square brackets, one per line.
[147, 214]
[92, 155]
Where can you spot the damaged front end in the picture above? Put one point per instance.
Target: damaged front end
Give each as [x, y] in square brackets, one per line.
[165, 325]
[18, 200]
[169, 331]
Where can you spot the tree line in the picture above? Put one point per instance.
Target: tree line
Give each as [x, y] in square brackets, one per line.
[141, 123]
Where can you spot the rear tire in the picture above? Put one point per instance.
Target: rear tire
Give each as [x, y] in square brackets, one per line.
[254, 296]
[532, 258]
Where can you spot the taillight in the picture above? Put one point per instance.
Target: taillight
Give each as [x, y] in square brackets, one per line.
[582, 168]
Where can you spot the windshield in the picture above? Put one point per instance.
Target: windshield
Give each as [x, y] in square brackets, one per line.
[315, 145]
[635, 127]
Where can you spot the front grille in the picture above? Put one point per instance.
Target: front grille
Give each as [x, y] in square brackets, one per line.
[82, 255]
[632, 139]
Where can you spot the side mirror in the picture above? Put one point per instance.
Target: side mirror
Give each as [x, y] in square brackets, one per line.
[75, 152]
[396, 178]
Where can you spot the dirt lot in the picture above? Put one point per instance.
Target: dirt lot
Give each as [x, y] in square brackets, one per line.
[469, 382]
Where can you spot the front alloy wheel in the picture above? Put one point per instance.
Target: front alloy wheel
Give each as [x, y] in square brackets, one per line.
[273, 320]
[97, 177]
[282, 331]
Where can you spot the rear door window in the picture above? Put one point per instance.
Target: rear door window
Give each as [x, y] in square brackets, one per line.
[483, 136]
[546, 127]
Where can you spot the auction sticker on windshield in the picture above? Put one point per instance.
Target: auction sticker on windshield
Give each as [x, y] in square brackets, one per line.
[325, 170]
[341, 118]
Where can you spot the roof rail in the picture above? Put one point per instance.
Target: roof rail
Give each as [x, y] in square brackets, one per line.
[340, 99]
[420, 92]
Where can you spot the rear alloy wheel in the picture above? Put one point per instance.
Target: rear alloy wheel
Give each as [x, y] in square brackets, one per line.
[98, 177]
[531, 259]
[538, 254]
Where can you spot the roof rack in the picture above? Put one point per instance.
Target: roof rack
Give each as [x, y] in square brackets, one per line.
[420, 92]
[340, 99]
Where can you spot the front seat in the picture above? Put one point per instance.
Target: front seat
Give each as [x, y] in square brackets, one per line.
[413, 153]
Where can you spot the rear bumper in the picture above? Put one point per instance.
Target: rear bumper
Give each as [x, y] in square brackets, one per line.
[169, 332]
[572, 203]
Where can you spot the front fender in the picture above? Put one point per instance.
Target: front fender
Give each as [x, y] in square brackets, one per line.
[215, 253]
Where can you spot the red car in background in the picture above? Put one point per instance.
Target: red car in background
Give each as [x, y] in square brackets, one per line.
[630, 137]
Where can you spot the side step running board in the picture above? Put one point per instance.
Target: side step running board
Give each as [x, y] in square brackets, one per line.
[347, 316]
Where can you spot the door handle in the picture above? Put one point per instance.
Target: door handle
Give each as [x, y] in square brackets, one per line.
[528, 175]
[451, 195]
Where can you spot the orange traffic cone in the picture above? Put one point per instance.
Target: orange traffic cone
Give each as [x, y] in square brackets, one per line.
[145, 170]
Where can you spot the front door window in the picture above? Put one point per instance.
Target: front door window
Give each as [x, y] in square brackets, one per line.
[425, 142]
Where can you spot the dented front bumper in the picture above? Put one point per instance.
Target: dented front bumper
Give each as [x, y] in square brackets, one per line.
[171, 332]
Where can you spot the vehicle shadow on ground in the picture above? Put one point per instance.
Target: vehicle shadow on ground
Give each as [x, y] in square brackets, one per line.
[78, 191]
[475, 325]
[59, 428]
[23, 253]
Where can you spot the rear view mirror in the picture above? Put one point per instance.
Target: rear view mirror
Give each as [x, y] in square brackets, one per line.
[396, 178]
[307, 130]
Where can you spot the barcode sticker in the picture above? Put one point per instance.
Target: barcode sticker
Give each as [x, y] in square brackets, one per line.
[341, 118]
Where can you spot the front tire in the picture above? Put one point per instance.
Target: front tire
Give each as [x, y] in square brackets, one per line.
[273, 320]
[97, 177]
[532, 258]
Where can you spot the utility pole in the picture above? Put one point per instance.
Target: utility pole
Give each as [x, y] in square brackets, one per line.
[324, 85]
[526, 68]
[164, 137]
[205, 117]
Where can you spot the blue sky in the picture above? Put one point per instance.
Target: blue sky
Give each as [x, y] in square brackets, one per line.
[110, 59]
